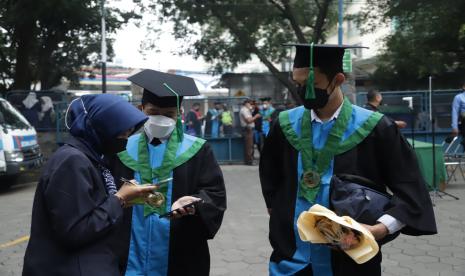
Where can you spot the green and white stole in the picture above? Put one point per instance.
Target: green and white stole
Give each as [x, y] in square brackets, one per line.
[316, 162]
[169, 163]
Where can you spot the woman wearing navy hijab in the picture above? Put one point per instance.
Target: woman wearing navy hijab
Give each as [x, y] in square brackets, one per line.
[77, 208]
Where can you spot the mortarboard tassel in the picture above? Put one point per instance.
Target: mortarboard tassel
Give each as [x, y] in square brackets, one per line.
[310, 91]
[179, 128]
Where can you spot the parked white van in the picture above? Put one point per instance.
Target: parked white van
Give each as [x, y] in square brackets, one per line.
[19, 149]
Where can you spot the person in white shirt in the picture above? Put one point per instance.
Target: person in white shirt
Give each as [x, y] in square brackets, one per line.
[247, 125]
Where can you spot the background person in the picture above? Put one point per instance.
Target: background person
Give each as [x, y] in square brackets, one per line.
[194, 121]
[227, 121]
[248, 126]
[31, 108]
[374, 100]
[268, 114]
[213, 121]
[258, 130]
[458, 113]
[47, 114]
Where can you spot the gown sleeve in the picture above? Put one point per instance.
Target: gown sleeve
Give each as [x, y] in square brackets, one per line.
[76, 217]
[271, 165]
[212, 190]
[411, 203]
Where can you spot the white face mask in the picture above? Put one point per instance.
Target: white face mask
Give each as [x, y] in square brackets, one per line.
[159, 126]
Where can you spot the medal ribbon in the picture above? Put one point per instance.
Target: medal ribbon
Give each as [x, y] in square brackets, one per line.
[316, 162]
[161, 173]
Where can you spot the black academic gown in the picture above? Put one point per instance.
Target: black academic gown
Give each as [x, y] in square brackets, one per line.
[384, 156]
[74, 221]
[200, 177]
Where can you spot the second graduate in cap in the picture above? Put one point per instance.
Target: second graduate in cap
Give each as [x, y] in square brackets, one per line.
[176, 246]
[328, 136]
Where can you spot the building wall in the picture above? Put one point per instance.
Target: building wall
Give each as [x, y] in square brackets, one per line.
[352, 35]
[254, 85]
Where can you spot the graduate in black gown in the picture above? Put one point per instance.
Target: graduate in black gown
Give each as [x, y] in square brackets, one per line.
[78, 209]
[327, 136]
[189, 172]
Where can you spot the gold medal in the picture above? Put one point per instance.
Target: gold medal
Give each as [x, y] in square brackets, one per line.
[311, 179]
[155, 200]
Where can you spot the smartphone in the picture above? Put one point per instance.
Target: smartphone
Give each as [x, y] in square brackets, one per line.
[190, 205]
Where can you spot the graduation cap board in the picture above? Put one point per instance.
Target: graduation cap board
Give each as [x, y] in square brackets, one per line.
[336, 57]
[164, 89]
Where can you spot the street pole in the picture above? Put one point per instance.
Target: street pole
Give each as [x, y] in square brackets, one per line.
[104, 49]
[430, 87]
[433, 140]
[339, 28]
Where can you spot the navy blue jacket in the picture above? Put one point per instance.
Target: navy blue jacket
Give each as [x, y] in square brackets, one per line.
[76, 220]
[73, 218]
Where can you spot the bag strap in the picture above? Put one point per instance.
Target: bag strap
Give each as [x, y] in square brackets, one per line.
[362, 181]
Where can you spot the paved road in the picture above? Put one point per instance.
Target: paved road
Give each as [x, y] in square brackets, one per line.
[15, 220]
[241, 247]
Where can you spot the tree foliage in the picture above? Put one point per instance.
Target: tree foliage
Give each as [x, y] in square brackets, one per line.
[232, 31]
[428, 38]
[44, 40]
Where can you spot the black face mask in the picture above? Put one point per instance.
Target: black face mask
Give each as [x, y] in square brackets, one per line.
[321, 97]
[114, 146]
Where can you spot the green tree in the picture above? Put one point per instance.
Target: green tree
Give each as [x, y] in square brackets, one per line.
[428, 38]
[232, 31]
[52, 38]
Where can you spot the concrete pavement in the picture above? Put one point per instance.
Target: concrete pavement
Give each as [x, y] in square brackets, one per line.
[241, 247]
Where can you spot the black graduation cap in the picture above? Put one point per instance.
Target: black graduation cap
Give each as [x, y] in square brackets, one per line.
[265, 99]
[324, 55]
[162, 89]
[327, 56]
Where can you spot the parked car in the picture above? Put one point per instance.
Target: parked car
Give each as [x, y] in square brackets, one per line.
[19, 148]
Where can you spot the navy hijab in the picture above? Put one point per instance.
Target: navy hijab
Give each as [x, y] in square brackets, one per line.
[99, 119]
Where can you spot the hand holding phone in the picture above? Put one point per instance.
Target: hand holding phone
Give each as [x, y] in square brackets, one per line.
[182, 207]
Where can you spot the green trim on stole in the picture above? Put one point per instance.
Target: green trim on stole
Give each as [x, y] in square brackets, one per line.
[147, 174]
[360, 134]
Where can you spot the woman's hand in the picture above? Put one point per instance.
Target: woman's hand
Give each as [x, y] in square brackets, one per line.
[130, 191]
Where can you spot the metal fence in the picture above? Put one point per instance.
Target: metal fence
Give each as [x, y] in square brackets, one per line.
[226, 141]
[218, 117]
[225, 136]
[397, 107]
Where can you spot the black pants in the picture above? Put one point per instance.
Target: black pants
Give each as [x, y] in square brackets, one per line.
[343, 265]
[247, 133]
